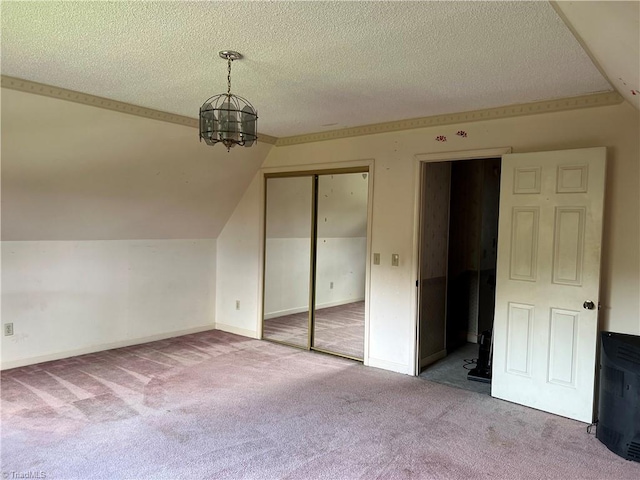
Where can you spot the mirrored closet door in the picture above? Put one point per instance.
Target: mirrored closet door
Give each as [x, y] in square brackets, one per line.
[315, 261]
[287, 260]
[341, 255]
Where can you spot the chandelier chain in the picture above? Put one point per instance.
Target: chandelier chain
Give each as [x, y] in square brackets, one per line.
[227, 118]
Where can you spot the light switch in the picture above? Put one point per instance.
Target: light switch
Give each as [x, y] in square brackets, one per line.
[395, 259]
[376, 259]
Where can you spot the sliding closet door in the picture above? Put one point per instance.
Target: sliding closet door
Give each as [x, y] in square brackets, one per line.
[288, 242]
[341, 253]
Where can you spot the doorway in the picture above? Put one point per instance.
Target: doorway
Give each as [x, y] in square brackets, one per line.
[315, 256]
[545, 324]
[457, 267]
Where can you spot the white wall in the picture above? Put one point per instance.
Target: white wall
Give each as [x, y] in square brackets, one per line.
[286, 276]
[342, 239]
[80, 201]
[288, 217]
[342, 245]
[70, 297]
[340, 261]
[239, 266]
[392, 296]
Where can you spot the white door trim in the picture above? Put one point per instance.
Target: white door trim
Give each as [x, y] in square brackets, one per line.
[463, 154]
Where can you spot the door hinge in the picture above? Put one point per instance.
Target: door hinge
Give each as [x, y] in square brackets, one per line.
[417, 282]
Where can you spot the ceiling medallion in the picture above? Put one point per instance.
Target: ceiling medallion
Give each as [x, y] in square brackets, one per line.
[228, 118]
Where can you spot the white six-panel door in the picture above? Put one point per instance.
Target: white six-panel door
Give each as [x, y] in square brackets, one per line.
[550, 231]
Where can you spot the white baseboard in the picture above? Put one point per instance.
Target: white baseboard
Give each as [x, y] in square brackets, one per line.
[432, 358]
[339, 302]
[472, 337]
[99, 348]
[282, 313]
[238, 331]
[392, 366]
[292, 311]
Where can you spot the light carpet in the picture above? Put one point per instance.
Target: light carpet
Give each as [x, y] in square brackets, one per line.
[219, 406]
[338, 329]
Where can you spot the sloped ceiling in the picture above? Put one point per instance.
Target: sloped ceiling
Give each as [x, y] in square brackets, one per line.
[308, 66]
[71, 171]
[76, 172]
[610, 32]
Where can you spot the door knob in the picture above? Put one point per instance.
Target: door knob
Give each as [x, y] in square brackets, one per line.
[589, 305]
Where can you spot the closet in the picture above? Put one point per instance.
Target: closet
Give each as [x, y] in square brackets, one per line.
[315, 252]
[457, 263]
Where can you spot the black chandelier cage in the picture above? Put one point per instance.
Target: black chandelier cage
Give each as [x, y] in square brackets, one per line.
[229, 119]
[226, 118]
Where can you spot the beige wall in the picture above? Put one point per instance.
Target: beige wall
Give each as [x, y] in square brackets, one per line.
[392, 291]
[109, 224]
[92, 175]
[77, 172]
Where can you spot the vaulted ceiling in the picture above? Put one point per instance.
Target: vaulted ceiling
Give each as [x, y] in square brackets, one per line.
[610, 33]
[308, 66]
[72, 171]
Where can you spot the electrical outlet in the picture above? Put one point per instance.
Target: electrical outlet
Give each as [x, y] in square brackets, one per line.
[331, 285]
[237, 304]
[8, 329]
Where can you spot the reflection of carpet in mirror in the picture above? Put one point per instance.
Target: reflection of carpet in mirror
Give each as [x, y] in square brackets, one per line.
[337, 329]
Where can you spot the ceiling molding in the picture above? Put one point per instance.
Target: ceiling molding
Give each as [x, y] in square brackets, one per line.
[106, 103]
[547, 106]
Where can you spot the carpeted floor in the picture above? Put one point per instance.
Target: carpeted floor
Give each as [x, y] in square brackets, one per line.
[215, 405]
[337, 329]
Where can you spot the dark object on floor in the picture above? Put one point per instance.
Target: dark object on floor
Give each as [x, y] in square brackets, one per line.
[482, 373]
[448, 372]
[618, 409]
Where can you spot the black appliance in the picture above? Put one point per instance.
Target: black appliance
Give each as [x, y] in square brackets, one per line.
[482, 372]
[619, 401]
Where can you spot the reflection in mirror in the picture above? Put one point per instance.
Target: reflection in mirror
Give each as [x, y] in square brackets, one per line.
[287, 260]
[340, 263]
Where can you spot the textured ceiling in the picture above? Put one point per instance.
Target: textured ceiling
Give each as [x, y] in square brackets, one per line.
[308, 66]
[611, 33]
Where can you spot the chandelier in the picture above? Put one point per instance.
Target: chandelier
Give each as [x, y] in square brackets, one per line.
[228, 118]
